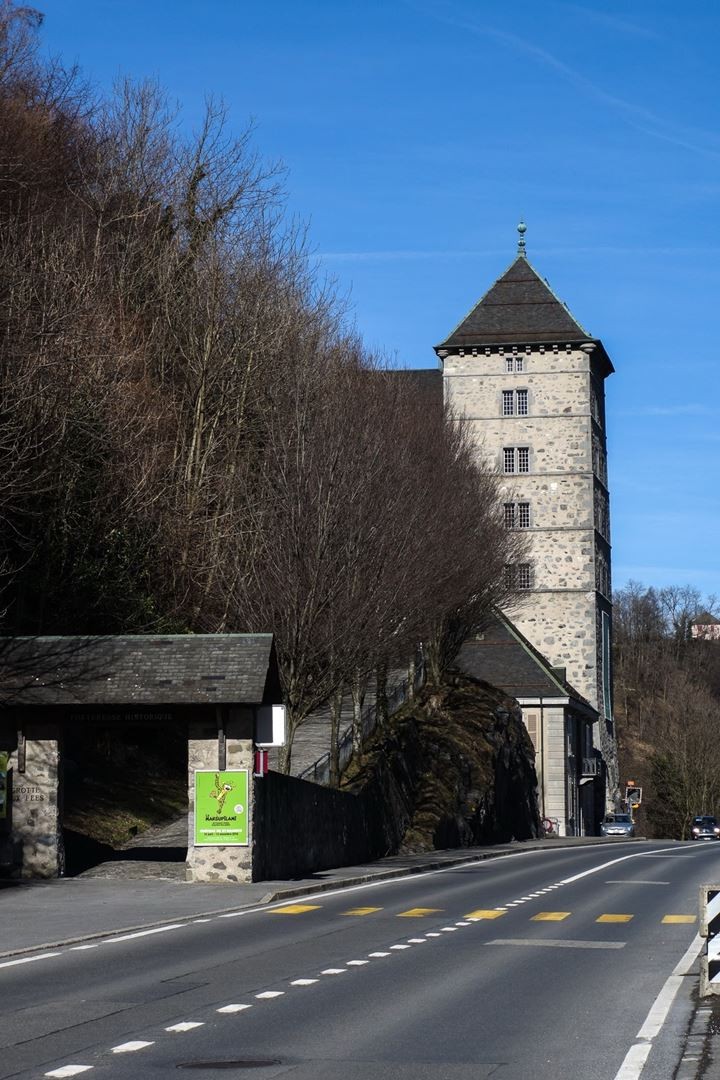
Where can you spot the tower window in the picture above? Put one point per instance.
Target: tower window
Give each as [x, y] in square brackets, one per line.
[516, 459]
[508, 363]
[519, 575]
[518, 363]
[524, 576]
[514, 402]
[517, 515]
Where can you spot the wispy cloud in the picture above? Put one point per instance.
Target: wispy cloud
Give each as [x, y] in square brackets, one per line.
[602, 18]
[689, 409]
[405, 254]
[665, 575]
[637, 116]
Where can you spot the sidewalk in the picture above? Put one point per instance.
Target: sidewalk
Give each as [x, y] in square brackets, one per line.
[44, 914]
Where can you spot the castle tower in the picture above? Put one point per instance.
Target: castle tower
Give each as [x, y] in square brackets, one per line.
[529, 381]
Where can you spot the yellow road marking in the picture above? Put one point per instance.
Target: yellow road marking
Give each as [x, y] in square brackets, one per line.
[418, 912]
[679, 918]
[482, 913]
[294, 909]
[361, 910]
[614, 918]
[550, 916]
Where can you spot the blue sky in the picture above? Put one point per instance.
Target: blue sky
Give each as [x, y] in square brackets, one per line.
[417, 132]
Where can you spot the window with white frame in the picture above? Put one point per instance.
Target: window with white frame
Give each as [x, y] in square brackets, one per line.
[508, 363]
[514, 402]
[524, 576]
[517, 515]
[516, 459]
[519, 575]
[518, 363]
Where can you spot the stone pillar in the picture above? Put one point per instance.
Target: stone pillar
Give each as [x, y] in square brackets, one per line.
[223, 745]
[36, 825]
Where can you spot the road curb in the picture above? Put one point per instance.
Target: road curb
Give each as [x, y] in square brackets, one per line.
[310, 888]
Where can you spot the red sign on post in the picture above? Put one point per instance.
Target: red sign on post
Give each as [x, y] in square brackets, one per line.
[261, 762]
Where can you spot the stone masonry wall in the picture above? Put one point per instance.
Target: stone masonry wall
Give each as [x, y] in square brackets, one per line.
[36, 825]
[565, 487]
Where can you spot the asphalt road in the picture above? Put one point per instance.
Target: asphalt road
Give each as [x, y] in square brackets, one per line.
[543, 965]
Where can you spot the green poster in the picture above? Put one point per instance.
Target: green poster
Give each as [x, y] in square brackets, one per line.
[221, 807]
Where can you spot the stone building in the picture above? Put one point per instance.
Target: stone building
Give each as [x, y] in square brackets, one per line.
[558, 719]
[529, 381]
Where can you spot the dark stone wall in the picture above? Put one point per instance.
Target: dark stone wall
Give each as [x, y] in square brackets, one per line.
[300, 828]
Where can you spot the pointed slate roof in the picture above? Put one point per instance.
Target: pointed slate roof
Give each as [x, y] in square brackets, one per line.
[519, 308]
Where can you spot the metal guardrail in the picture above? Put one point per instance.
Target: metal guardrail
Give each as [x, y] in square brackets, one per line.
[319, 771]
[710, 930]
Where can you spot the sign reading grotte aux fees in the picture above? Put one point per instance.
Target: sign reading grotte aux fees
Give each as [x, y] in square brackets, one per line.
[221, 807]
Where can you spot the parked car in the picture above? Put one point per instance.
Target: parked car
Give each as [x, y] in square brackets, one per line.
[617, 825]
[705, 827]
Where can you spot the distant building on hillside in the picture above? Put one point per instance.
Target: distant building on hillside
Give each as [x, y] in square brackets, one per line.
[705, 627]
[529, 381]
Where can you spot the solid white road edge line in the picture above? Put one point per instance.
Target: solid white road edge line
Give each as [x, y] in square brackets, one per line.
[604, 866]
[29, 959]
[638, 1054]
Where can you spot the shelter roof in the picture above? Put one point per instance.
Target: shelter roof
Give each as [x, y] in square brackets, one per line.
[148, 669]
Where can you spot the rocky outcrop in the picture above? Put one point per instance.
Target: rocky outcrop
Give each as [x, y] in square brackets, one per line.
[455, 768]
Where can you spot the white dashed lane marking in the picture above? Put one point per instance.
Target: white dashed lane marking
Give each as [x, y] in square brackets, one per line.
[233, 1008]
[69, 1070]
[186, 1025]
[303, 982]
[334, 971]
[144, 933]
[267, 994]
[130, 1047]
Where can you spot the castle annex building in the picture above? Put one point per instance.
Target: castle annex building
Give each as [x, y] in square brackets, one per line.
[529, 381]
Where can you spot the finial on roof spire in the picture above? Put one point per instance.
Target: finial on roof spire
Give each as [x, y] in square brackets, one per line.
[522, 229]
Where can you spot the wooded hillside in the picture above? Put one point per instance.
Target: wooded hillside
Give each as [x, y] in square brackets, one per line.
[192, 435]
[667, 706]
